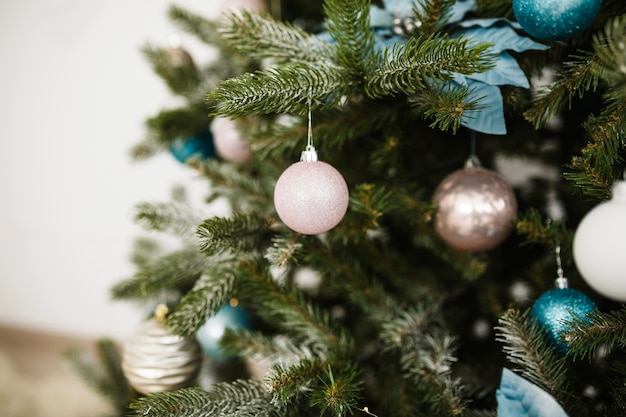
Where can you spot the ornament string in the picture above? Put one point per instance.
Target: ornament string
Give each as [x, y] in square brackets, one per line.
[472, 161]
[309, 154]
[561, 281]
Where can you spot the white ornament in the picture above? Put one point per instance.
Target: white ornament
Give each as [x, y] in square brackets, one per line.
[599, 246]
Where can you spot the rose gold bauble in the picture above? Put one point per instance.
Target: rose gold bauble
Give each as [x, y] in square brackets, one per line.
[311, 197]
[475, 209]
[155, 359]
[228, 142]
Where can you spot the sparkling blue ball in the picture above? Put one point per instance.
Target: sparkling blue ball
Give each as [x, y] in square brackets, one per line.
[554, 308]
[211, 332]
[200, 145]
[554, 20]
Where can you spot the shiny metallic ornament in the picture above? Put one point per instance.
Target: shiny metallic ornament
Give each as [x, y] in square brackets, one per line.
[155, 359]
[475, 208]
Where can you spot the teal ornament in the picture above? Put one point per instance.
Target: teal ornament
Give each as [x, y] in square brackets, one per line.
[555, 308]
[518, 397]
[210, 334]
[196, 146]
[555, 20]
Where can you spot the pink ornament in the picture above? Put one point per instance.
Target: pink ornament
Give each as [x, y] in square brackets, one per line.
[228, 142]
[311, 197]
[251, 5]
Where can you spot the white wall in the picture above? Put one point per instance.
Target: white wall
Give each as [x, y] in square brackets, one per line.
[74, 92]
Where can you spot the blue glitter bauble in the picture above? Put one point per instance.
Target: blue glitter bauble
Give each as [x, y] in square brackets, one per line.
[556, 307]
[200, 145]
[211, 332]
[554, 20]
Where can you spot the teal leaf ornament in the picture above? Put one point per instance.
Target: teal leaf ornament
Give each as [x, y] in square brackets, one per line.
[518, 397]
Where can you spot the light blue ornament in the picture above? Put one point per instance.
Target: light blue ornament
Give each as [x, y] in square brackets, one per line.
[518, 397]
[555, 20]
[200, 145]
[555, 308]
[210, 334]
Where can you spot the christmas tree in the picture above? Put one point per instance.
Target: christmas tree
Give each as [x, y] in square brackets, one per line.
[407, 180]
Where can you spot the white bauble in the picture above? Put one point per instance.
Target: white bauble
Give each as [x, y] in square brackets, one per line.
[600, 246]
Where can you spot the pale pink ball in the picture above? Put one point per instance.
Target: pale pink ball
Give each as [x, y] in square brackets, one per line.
[311, 197]
[228, 142]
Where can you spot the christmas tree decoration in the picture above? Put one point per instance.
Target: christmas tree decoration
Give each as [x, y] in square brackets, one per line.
[556, 307]
[209, 335]
[599, 244]
[178, 56]
[555, 20]
[228, 142]
[199, 146]
[155, 359]
[518, 397]
[475, 208]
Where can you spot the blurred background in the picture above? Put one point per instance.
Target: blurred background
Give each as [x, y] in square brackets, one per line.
[74, 93]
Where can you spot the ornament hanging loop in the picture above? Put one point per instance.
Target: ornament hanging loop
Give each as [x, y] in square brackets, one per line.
[309, 154]
[561, 281]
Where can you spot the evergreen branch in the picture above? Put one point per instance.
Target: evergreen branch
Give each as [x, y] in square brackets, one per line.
[239, 233]
[258, 346]
[286, 382]
[203, 29]
[287, 89]
[525, 346]
[175, 66]
[176, 218]
[445, 106]
[611, 52]
[597, 329]
[105, 377]
[577, 77]
[348, 23]
[177, 270]
[242, 398]
[340, 391]
[210, 293]
[261, 37]
[284, 250]
[536, 229]
[401, 332]
[412, 66]
[181, 122]
[433, 15]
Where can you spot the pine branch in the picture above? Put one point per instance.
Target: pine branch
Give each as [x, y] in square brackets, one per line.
[175, 66]
[104, 374]
[210, 293]
[237, 234]
[257, 346]
[261, 37]
[410, 67]
[173, 218]
[348, 23]
[445, 106]
[577, 77]
[597, 329]
[340, 391]
[203, 29]
[285, 383]
[433, 15]
[176, 271]
[525, 346]
[287, 89]
[538, 230]
[243, 398]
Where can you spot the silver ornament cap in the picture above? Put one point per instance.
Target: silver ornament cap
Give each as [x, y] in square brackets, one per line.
[155, 359]
[476, 208]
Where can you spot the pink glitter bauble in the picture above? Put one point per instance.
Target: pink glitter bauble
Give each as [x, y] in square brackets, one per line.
[311, 197]
[228, 142]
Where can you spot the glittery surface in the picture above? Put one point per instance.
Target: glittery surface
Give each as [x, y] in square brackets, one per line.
[557, 306]
[553, 20]
[311, 197]
[155, 359]
[228, 142]
[475, 209]
[211, 332]
[599, 245]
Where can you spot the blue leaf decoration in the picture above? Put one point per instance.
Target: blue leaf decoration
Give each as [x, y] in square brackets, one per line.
[500, 33]
[506, 72]
[460, 9]
[490, 118]
[518, 397]
[380, 18]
